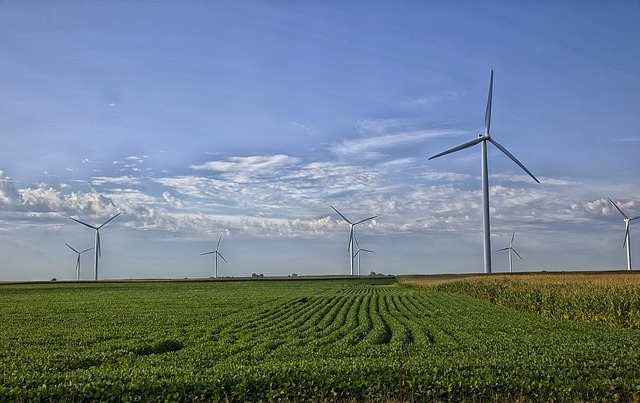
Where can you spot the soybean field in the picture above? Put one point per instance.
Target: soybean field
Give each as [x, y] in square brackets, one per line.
[364, 339]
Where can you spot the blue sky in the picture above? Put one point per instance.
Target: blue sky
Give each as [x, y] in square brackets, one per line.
[250, 119]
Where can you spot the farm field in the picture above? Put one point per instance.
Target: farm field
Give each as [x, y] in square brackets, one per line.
[608, 297]
[298, 340]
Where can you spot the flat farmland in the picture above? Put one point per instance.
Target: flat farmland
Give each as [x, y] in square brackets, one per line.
[608, 297]
[298, 340]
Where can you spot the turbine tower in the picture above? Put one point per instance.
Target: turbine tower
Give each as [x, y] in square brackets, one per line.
[97, 243]
[511, 249]
[215, 252]
[627, 239]
[483, 138]
[351, 235]
[358, 253]
[78, 260]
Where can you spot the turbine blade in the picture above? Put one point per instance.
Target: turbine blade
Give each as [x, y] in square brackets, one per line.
[367, 250]
[98, 243]
[343, 217]
[460, 147]
[502, 249]
[618, 208]
[513, 236]
[86, 250]
[516, 252]
[355, 238]
[514, 159]
[626, 235]
[83, 223]
[487, 115]
[219, 254]
[350, 238]
[70, 247]
[208, 253]
[218, 245]
[366, 219]
[106, 222]
[634, 218]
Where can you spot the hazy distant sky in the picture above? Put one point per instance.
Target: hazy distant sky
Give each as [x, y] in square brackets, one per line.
[249, 119]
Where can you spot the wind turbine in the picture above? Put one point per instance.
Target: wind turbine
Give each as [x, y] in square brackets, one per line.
[358, 253]
[97, 244]
[483, 138]
[215, 252]
[627, 239]
[511, 249]
[78, 260]
[351, 235]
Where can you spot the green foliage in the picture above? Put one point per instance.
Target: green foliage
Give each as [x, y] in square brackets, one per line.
[297, 340]
[617, 305]
[164, 346]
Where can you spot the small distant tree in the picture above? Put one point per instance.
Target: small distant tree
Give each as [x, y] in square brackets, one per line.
[261, 275]
[54, 279]
[254, 274]
[294, 275]
[373, 273]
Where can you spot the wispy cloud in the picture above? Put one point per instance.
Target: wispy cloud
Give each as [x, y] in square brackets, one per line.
[367, 146]
[120, 180]
[431, 100]
[279, 196]
[257, 163]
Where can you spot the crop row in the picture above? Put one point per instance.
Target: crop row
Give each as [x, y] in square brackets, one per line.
[297, 341]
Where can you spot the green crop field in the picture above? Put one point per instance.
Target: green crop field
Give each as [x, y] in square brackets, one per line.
[298, 340]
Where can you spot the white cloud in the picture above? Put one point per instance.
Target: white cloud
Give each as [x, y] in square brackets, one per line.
[173, 201]
[371, 146]
[257, 163]
[120, 180]
[278, 196]
[433, 176]
[8, 193]
[512, 177]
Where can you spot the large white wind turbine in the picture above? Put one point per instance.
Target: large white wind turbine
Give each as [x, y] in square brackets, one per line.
[358, 253]
[215, 252]
[627, 239]
[351, 225]
[483, 138]
[511, 249]
[97, 244]
[78, 260]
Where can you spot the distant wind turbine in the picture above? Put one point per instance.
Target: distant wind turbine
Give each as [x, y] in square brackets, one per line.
[483, 138]
[78, 260]
[96, 248]
[351, 235]
[215, 252]
[358, 253]
[511, 249]
[627, 239]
